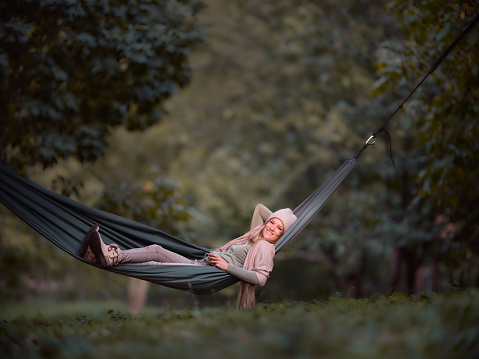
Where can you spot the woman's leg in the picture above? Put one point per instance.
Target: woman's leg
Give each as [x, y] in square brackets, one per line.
[107, 255]
[154, 253]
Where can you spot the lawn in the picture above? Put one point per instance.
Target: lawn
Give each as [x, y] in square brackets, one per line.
[397, 326]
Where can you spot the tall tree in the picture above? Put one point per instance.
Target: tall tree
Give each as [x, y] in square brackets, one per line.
[70, 73]
[438, 127]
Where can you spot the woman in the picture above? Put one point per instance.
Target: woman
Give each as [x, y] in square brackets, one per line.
[249, 257]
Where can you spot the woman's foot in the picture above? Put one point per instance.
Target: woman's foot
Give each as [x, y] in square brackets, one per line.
[89, 256]
[106, 255]
[85, 251]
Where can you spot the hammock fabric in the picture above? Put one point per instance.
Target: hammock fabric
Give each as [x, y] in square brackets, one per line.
[65, 222]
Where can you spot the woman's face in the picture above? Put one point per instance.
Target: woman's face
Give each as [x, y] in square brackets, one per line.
[273, 230]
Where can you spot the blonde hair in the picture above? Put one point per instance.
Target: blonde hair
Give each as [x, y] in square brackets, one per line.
[256, 235]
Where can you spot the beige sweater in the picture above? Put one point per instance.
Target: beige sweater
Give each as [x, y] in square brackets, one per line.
[259, 258]
[235, 255]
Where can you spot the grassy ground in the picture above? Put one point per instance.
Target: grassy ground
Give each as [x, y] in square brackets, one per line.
[399, 326]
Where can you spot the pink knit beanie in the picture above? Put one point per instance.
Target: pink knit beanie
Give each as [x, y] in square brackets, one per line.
[286, 216]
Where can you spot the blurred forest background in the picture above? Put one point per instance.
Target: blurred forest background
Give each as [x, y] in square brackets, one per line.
[184, 115]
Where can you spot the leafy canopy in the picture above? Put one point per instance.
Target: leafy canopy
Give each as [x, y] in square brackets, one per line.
[72, 70]
[442, 117]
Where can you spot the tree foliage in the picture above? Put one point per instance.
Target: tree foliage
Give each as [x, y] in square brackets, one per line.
[157, 203]
[70, 71]
[446, 109]
[439, 125]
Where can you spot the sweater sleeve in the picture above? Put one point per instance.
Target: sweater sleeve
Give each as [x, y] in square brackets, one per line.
[243, 274]
[260, 215]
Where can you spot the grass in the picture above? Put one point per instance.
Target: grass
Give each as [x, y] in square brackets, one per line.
[399, 326]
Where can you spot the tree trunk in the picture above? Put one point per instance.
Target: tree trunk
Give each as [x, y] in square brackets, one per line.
[360, 276]
[434, 276]
[137, 294]
[396, 269]
[420, 279]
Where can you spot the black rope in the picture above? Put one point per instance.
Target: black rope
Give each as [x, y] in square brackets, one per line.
[431, 70]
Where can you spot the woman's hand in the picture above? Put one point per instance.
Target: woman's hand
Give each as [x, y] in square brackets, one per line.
[217, 261]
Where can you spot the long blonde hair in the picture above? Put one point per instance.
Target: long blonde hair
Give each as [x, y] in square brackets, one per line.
[256, 235]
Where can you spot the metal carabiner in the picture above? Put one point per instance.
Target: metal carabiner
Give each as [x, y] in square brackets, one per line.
[369, 139]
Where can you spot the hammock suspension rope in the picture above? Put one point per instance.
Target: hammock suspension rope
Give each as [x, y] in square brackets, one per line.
[370, 141]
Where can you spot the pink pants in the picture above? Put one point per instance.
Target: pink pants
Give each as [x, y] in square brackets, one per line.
[156, 254]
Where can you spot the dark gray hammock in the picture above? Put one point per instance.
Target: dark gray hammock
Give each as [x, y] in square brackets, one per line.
[64, 222]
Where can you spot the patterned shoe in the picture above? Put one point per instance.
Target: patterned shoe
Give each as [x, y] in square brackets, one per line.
[84, 249]
[106, 255]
